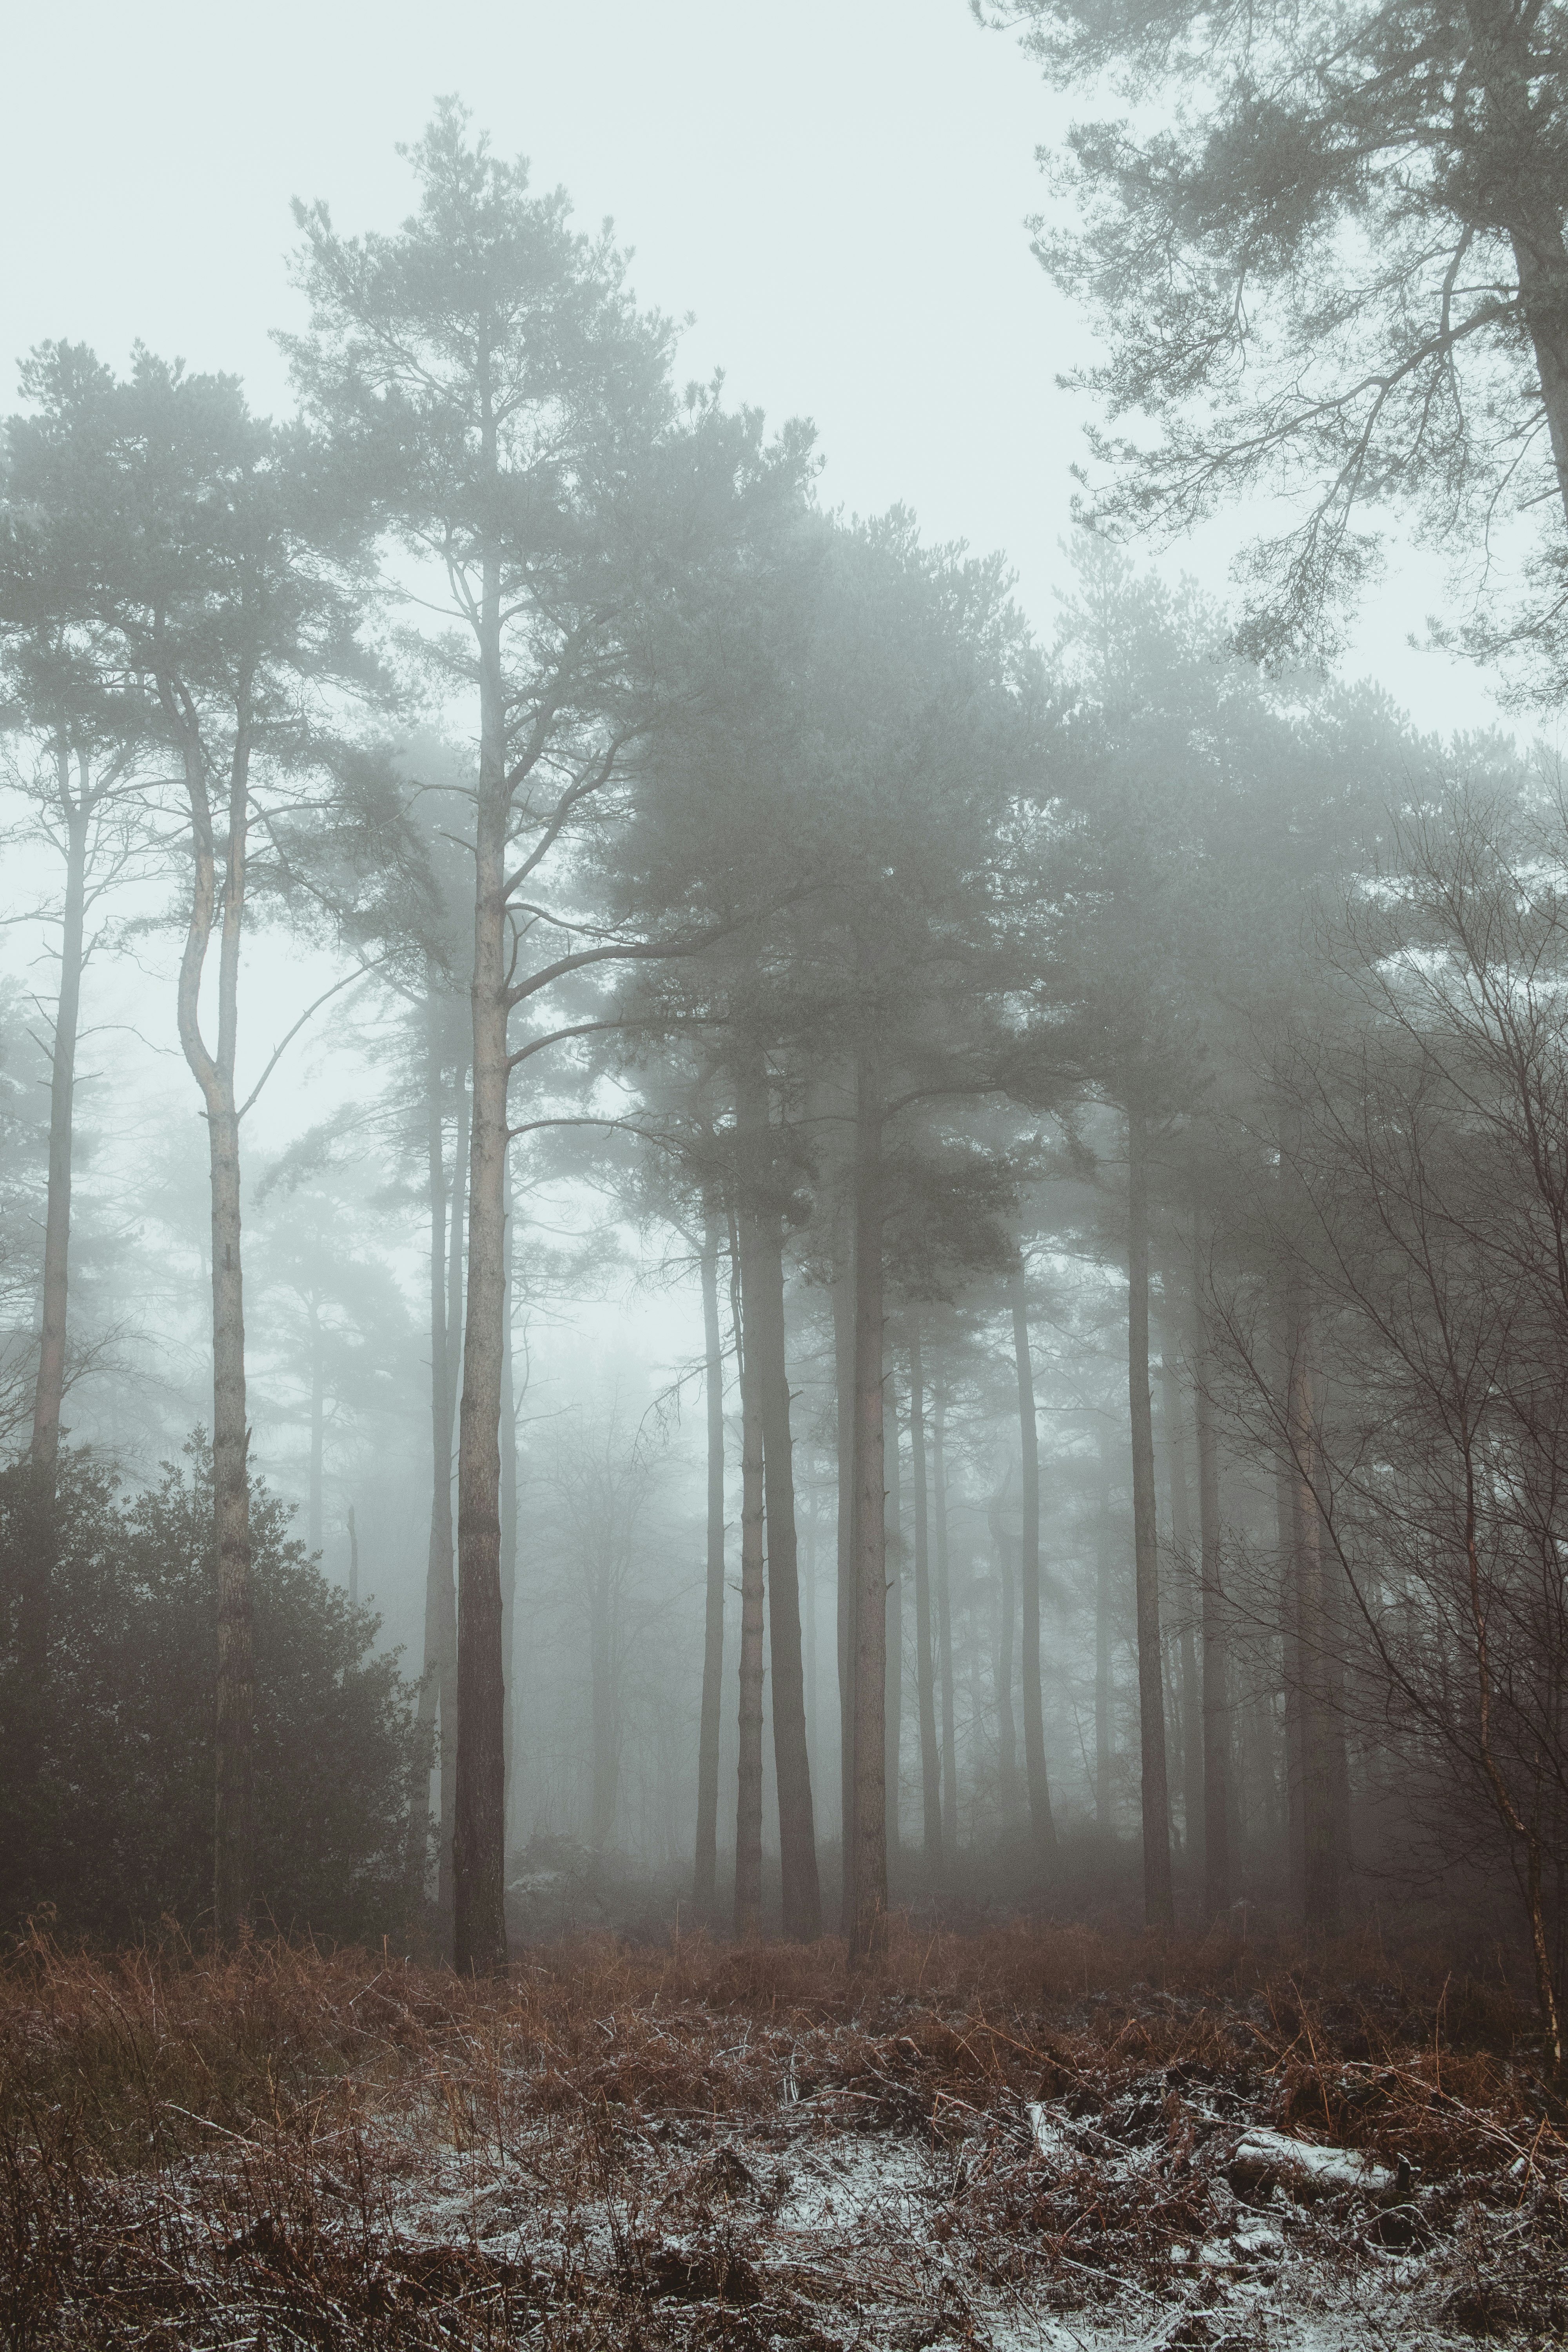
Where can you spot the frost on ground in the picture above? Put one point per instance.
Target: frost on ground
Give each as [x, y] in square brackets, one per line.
[760, 2149]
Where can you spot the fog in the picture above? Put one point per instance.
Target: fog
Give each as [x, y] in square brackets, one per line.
[1011, 1363]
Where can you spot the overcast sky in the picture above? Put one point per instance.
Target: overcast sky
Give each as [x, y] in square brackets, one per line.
[836, 189]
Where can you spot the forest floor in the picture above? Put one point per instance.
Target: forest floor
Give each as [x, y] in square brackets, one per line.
[1028, 2138]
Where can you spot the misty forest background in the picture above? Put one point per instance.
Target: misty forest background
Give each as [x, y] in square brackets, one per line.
[1017, 1356]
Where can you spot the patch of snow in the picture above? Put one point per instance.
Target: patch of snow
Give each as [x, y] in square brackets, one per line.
[1263, 2157]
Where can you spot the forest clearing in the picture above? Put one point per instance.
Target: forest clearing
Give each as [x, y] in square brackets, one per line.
[783, 1189]
[1024, 2137]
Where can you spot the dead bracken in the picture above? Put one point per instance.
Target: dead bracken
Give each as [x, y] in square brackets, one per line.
[979, 2140]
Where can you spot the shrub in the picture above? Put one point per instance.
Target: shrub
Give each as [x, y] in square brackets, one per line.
[107, 1644]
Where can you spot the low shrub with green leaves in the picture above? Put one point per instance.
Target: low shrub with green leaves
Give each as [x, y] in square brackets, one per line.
[108, 1647]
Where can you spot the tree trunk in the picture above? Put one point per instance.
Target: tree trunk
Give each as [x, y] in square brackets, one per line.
[945, 1631]
[893, 1694]
[813, 1719]
[1291, 1670]
[1102, 1650]
[1159, 1899]
[748, 1777]
[353, 1560]
[438, 1559]
[446, 1595]
[314, 1507]
[604, 1695]
[704, 1885]
[1181, 1584]
[509, 1542]
[478, 1834]
[844, 1374]
[1042, 1827]
[866, 1861]
[234, 1840]
[1216, 1723]
[762, 1292]
[931, 1758]
[1314, 1637]
[50, 1390]
[1523, 204]
[1006, 1618]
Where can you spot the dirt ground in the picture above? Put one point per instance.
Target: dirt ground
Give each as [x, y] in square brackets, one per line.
[1033, 2136]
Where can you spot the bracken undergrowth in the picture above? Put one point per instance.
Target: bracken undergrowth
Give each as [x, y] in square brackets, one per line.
[699, 2143]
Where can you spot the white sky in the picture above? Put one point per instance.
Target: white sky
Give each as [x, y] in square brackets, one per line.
[836, 189]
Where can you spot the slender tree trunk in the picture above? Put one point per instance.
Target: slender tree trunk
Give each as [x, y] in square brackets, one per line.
[931, 1756]
[1042, 1827]
[813, 1718]
[704, 1885]
[509, 1537]
[1182, 1582]
[231, 1483]
[315, 1507]
[1159, 1898]
[867, 1861]
[1103, 1693]
[50, 1390]
[1321, 1858]
[602, 1645]
[438, 1561]
[1291, 1668]
[1007, 1613]
[762, 1292]
[353, 1560]
[944, 1631]
[893, 1695]
[235, 1723]
[844, 1372]
[749, 1778]
[1216, 1723]
[39, 1548]
[446, 1596]
[479, 1828]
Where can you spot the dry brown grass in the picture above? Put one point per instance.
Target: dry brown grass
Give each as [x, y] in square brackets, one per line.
[328, 2148]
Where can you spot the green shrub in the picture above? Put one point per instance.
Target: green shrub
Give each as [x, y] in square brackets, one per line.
[108, 1645]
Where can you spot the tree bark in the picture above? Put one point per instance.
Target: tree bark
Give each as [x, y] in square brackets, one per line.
[763, 1292]
[1183, 1583]
[1291, 1670]
[846, 1611]
[1102, 1650]
[704, 1883]
[813, 1718]
[893, 1694]
[867, 1862]
[478, 1834]
[604, 1637]
[1216, 1723]
[439, 1557]
[1159, 1898]
[1042, 1827]
[1314, 1637]
[925, 1679]
[447, 1593]
[315, 1502]
[1007, 1613]
[749, 1776]
[235, 1719]
[945, 1631]
[1520, 200]
[508, 1542]
[49, 1393]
